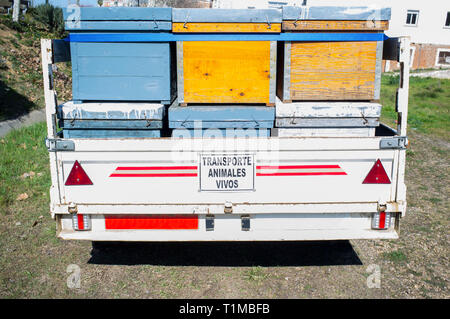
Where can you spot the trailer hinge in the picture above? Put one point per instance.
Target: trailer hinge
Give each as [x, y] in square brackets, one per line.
[54, 145]
[397, 142]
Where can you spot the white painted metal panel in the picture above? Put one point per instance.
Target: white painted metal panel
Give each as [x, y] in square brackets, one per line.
[296, 170]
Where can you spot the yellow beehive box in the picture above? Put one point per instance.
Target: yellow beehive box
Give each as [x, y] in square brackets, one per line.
[237, 72]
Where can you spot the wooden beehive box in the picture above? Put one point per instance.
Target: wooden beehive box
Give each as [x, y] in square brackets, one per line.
[221, 120]
[333, 70]
[111, 120]
[331, 118]
[103, 71]
[226, 71]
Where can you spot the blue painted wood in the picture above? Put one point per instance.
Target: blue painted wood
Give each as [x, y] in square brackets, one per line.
[80, 133]
[220, 133]
[226, 15]
[117, 13]
[121, 71]
[171, 37]
[119, 26]
[221, 116]
[335, 13]
[112, 124]
[221, 124]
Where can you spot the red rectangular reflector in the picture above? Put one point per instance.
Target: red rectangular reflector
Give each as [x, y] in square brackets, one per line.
[151, 221]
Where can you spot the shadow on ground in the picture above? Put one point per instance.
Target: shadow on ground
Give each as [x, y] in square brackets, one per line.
[238, 254]
[12, 103]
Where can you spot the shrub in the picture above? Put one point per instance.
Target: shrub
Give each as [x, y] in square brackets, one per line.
[51, 17]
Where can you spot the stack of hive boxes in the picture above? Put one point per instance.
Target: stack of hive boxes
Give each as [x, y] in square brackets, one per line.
[224, 72]
[330, 88]
[119, 89]
[225, 88]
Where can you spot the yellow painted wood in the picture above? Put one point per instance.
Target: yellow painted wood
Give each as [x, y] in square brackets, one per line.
[333, 70]
[336, 25]
[179, 27]
[226, 71]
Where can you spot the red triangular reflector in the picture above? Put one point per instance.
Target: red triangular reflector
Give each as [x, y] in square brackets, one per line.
[78, 176]
[377, 175]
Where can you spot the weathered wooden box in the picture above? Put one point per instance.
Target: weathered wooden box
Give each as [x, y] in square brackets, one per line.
[326, 118]
[220, 120]
[111, 120]
[226, 71]
[331, 70]
[103, 71]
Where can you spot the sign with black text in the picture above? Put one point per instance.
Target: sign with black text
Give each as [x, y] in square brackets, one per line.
[227, 172]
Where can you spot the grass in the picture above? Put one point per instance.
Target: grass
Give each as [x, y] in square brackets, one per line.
[429, 104]
[255, 274]
[23, 151]
[397, 256]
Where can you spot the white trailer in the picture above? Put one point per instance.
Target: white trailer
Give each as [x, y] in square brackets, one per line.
[229, 189]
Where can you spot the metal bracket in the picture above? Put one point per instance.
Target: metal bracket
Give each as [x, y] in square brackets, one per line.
[209, 222]
[56, 145]
[245, 223]
[397, 142]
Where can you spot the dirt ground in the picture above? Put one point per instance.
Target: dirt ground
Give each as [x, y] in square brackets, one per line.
[34, 264]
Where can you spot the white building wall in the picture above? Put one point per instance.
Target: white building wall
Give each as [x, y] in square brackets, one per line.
[429, 30]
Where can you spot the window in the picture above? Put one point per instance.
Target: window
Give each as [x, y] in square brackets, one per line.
[443, 57]
[412, 16]
[447, 20]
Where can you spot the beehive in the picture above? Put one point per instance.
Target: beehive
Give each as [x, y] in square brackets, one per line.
[226, 71]
[103, 71]
[111, 120]
[331, 70]
[326, 118]
[221, 120]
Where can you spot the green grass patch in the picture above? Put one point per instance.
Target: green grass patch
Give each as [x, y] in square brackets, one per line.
[255, 274]
[397, 256]
[23, 152]
[429, 104]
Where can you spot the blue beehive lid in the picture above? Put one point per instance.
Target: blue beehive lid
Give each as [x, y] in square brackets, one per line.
[336, 13]
[117, 19]
[221, 116]
[226, 15]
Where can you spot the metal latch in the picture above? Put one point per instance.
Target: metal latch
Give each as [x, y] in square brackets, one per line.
[54, 145]
[228, 209]
[397, 142]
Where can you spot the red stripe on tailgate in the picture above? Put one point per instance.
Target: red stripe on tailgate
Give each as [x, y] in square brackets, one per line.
[301, 174]
[297, 166]
[151, 222]
[153, 175]
[147, 168]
